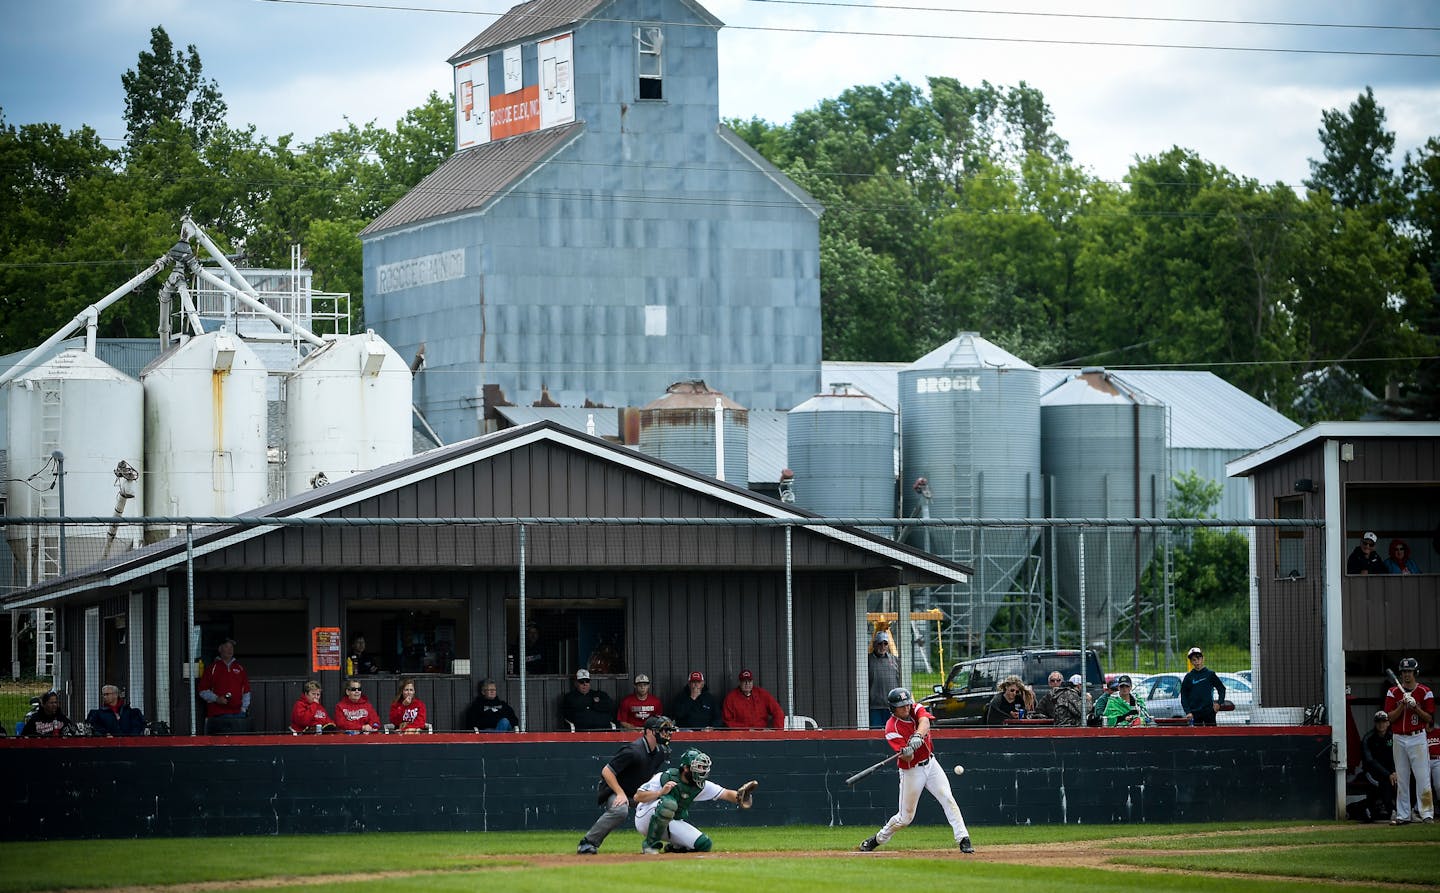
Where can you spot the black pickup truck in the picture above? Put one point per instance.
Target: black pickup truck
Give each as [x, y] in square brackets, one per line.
[967, 691]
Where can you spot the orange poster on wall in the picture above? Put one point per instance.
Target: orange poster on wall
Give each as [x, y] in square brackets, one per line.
[325, 648]
[517, 112]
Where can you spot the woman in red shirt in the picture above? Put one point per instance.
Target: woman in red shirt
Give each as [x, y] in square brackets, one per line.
[407, 712]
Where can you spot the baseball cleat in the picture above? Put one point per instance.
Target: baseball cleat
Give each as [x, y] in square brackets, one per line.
[672, 848]
[648, 850]
[966, 846]
[586, 849]
[869, 845]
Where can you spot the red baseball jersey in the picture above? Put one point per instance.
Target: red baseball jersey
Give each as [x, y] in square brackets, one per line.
[1409, 721]
[898, 732]
[634, 711]
[1432, 738]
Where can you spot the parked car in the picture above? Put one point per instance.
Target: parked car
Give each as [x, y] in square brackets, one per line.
[971, 684]
[1162, 697]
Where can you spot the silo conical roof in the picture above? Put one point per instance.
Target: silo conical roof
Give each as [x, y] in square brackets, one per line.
[969, 351]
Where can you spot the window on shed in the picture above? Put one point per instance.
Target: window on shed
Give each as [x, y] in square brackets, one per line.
[409, 635]
[650, 63]
[1398, 511]
[1290, 542]
[563, 635]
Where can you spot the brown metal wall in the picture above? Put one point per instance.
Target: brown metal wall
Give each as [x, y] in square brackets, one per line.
[1390, 613]
[1292, 615]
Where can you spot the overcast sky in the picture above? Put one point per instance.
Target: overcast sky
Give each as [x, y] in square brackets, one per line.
[303, 68]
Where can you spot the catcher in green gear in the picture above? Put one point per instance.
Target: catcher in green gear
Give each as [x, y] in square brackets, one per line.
[665, 802]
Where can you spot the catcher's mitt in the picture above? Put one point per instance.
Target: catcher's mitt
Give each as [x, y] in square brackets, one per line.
[744, 795]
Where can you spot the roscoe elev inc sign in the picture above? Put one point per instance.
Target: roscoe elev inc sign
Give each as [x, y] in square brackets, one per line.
[944, 384]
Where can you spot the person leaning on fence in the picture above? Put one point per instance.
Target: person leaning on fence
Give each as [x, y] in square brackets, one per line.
[1125, 708]
[1014, 700]
[114, 718]
[1064, 704]
[1199, 690]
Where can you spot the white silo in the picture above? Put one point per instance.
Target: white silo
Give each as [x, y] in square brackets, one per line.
[204, 429]
[970, 425]
[841, 446]
[347, 409]
[1103, 455]
[680, 427]
[91, 413]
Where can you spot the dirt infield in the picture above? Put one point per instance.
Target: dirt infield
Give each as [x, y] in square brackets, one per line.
[1068, 854]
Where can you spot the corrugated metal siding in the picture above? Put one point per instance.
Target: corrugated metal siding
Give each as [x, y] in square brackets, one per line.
[469, 180]
[1390, 613]
[1292, 612]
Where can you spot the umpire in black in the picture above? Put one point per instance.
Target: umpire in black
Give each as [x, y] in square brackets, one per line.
[632, 766]
[1198, 690]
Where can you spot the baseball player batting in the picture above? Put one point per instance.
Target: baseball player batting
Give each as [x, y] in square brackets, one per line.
[665, 802]
[908, 731]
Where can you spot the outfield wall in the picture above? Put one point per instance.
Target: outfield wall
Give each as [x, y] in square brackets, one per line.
[185, 787]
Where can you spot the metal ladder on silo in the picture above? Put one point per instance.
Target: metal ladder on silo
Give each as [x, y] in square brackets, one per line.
[48, 538]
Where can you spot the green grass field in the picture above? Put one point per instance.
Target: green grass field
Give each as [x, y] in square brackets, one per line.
[1249, 857]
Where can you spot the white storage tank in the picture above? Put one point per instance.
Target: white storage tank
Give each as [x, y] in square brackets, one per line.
[92, 414]
[680, 428]
[1103, 455]
[347, 409]
[841, 446]
[204, 429]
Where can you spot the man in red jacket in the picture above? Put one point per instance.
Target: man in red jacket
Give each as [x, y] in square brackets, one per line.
[751, 707]
[225, 689]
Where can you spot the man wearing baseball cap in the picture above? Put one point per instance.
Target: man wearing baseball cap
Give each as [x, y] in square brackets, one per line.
[638, 706]
[748, 706]
[1365, 560]
[584, 708]
[1199, 690]
[884, 676]
[1375, 777]
[1411, 708]
[694, 707]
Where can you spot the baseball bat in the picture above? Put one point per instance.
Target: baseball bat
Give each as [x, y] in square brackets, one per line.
[866, 773]
[1390, 674]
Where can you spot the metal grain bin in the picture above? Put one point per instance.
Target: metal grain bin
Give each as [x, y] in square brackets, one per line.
[841, 446]
[92, 414]
[1103, 455]
[680, 428]
[970, 425]
[205, 427]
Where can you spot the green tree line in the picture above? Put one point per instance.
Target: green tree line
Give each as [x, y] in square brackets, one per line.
[948, 208]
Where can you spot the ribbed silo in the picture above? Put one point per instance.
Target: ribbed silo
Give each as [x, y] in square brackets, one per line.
[680, 428]
[1103, 456]
[205, 429]
[92, 414]
[970, 425]
[841, 447]
[347, 409]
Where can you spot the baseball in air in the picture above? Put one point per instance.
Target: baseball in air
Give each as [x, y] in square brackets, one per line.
[959, 770]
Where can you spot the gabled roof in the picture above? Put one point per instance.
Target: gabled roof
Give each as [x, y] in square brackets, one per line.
[779, 177]
[328, 501]
[543, 16]
[472, 179]
[1328, 431]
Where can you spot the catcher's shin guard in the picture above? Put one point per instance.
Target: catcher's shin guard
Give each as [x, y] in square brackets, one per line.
[703, 844]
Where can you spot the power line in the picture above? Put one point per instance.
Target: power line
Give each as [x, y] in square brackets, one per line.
[1100, 17]
[919, 35]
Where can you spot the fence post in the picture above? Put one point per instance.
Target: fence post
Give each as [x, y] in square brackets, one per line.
[789, 625]
[520, 630]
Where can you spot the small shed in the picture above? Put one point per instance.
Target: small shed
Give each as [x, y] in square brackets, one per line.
[700, 595]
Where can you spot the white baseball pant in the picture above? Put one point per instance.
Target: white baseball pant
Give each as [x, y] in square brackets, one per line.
[678, 832]
[1412, 761]
[926, 777]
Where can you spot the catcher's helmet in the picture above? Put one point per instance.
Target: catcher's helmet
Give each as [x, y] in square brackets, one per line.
[899, 697]
[662, 726]
[698, 763]
[1410, 664]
